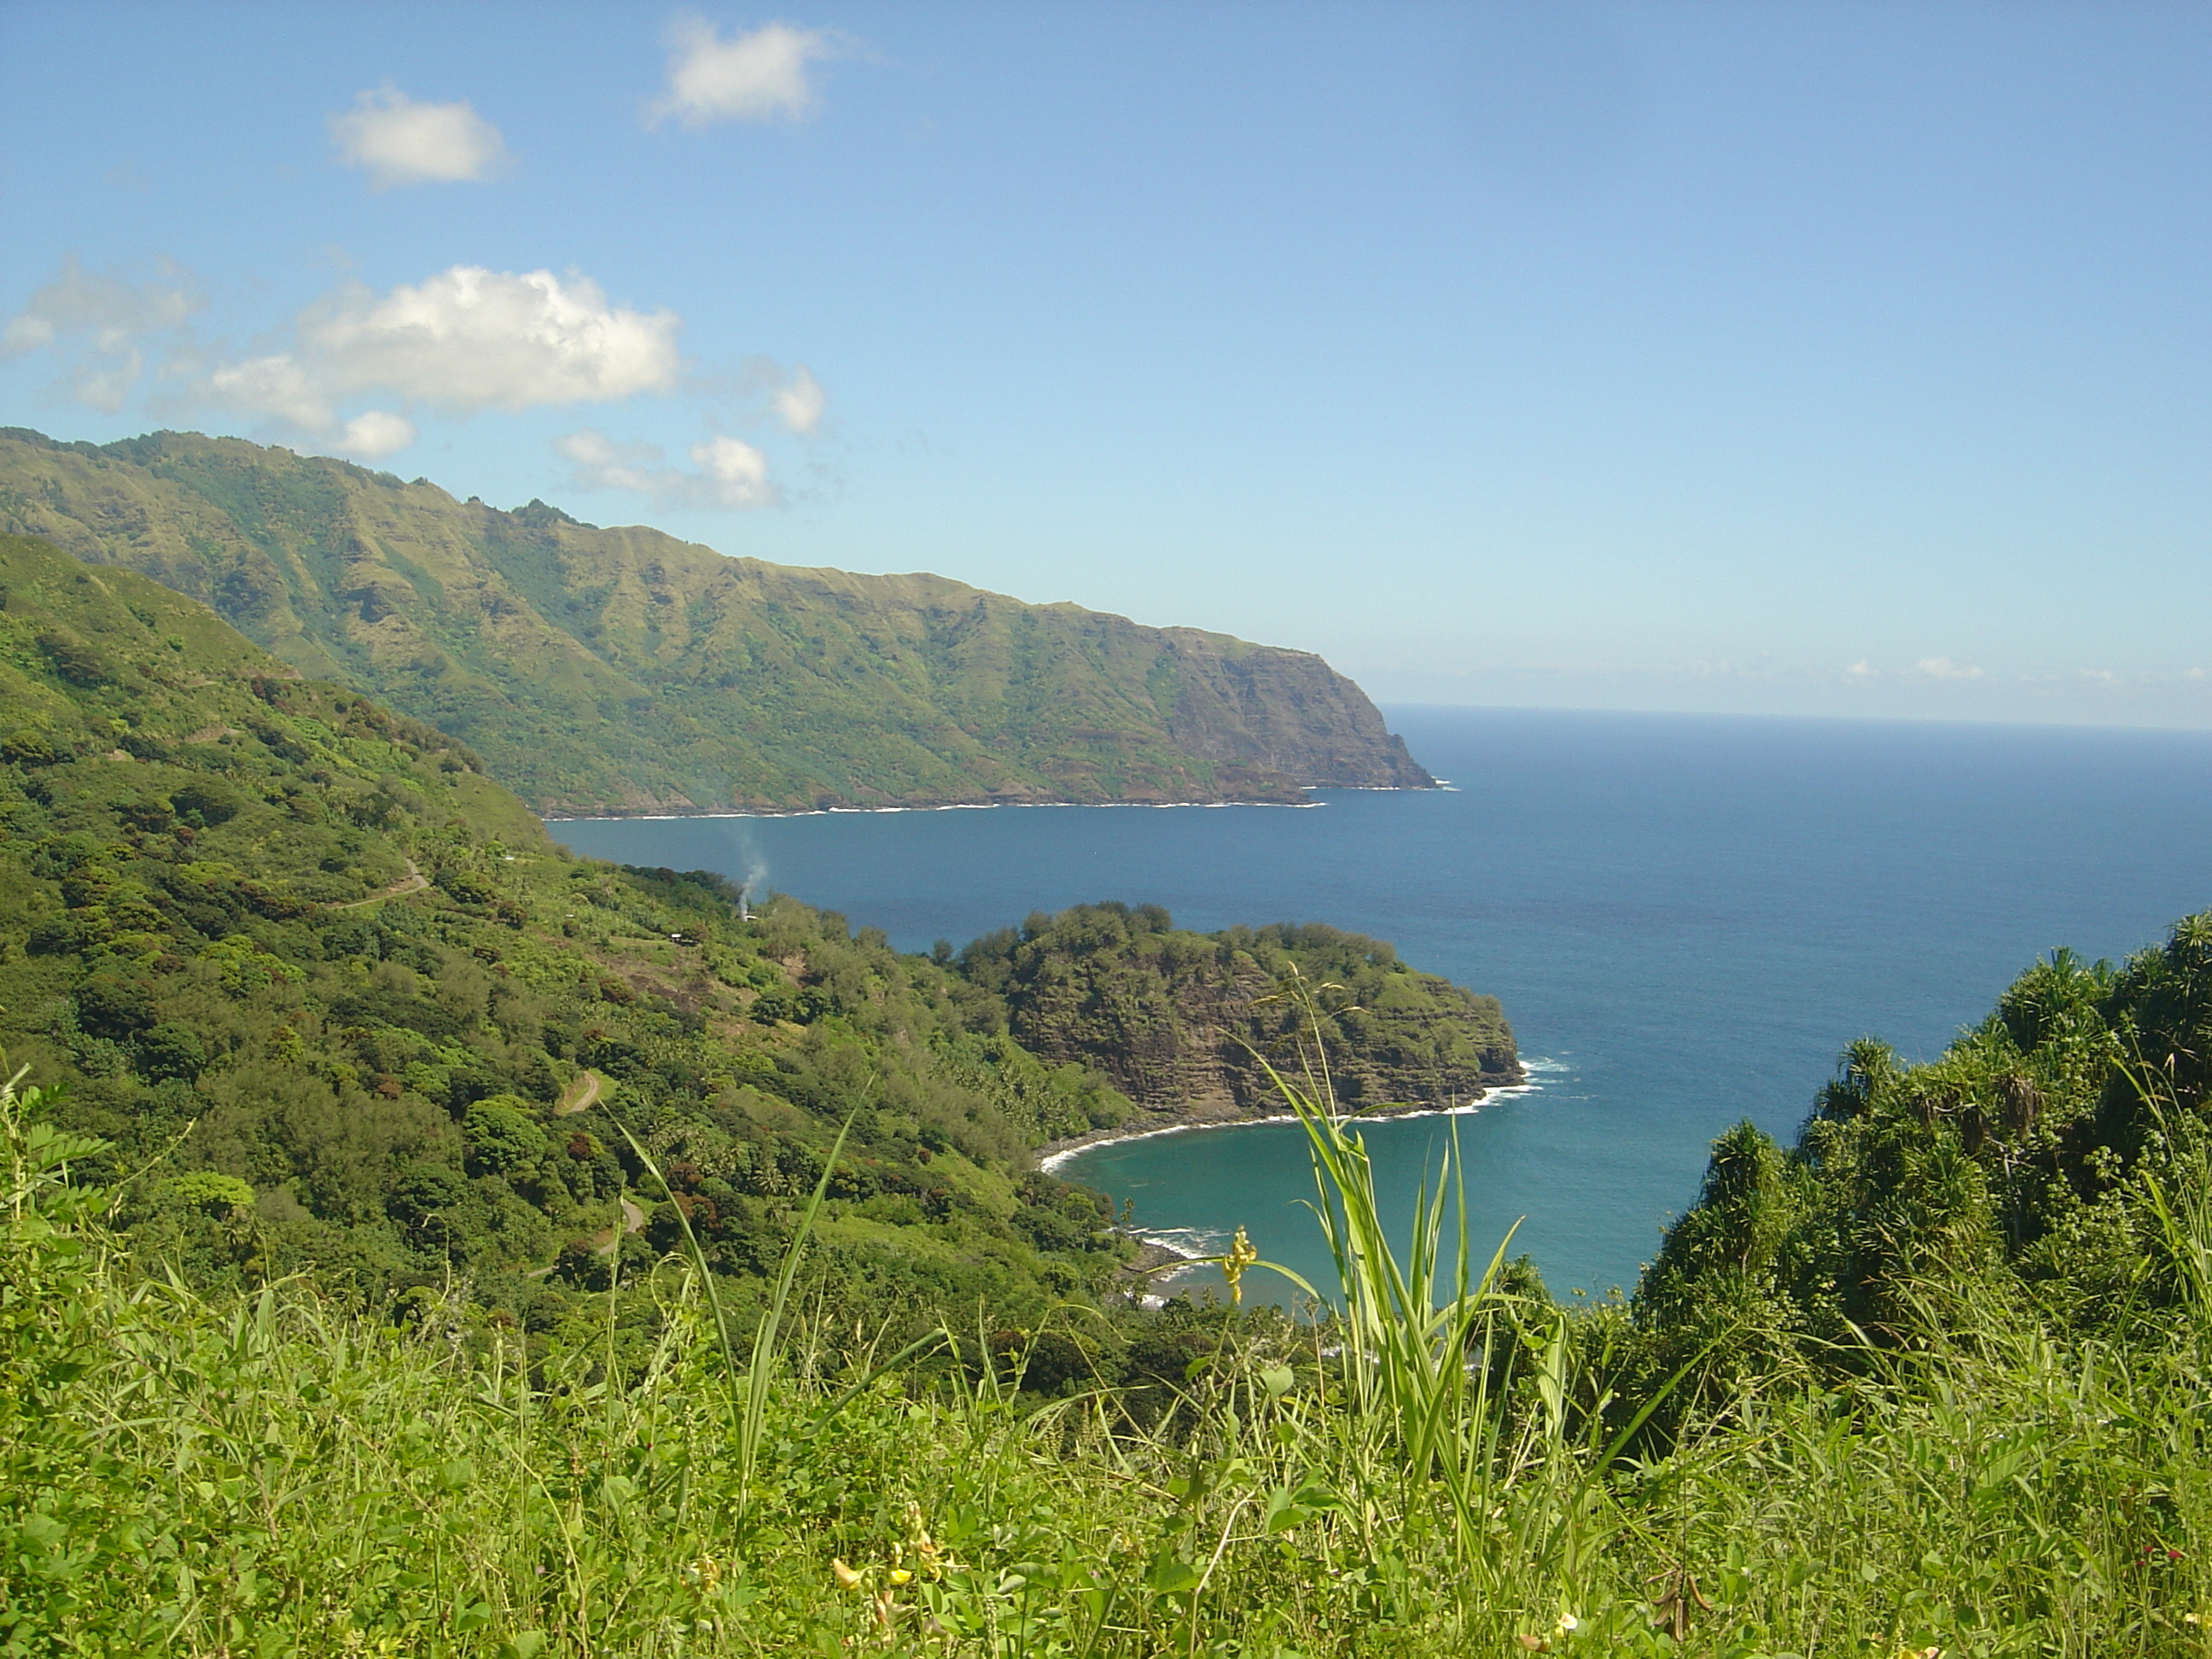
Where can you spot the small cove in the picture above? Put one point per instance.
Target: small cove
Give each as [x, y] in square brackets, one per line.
[1686, 919]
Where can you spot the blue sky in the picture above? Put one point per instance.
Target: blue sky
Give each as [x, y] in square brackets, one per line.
[1835, 359]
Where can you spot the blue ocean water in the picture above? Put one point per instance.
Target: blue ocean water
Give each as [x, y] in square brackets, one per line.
[1686, 917]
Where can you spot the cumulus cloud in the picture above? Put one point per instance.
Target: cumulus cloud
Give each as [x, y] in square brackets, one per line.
[374, 434]
[1942, 668]
[465, 340]
[734, 471]
[750, 77]
[97, 322]
[399, 142]
[730, 473]
[1860, 670]
[279, 386]
[799, 401]
[353, 372]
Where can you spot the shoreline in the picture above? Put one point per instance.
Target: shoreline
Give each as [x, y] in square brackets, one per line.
[1055, 1155]
[943, 806]
[1439, 787]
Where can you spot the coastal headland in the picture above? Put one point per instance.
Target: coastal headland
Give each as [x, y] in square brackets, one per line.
[1187, 1025]
[620, 672]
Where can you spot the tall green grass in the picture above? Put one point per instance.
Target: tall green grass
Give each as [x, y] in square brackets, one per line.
[1427, 1470]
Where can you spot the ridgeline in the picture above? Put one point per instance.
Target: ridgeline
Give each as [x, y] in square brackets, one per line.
[274, 936]
[444, 1245]
[614, 671]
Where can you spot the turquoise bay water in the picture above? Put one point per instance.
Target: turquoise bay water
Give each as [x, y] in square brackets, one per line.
[1686, 919]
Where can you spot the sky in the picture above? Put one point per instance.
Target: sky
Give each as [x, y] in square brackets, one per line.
[1839, 359]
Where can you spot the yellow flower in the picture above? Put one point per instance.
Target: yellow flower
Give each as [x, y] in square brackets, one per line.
[1569, 1624]
[1242, 1255]
[846, 1577]
[900, 1575]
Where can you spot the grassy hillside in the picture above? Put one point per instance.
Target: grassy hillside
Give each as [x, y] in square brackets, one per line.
[1452, 1466]
[341, 1314]
[616, 670]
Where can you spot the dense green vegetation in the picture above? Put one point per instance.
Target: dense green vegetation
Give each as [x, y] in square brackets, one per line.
[1451, 1465]
[395, 1089]
[2045, 1161]
[624, 671]
[302, 957]
[1183, 1022]
[324, 1328]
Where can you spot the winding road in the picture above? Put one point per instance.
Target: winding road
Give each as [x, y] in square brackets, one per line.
[584, 1091]
[415, 882]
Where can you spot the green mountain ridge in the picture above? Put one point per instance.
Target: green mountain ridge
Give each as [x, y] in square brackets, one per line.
[610, 671]
[339, 1314]
[274, 936]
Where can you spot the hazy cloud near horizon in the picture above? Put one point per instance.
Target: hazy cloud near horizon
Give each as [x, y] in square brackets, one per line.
[96, 324]
[730, 473]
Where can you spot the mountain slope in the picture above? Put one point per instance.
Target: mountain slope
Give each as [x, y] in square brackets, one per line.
[346, 1002]
[345, 995]
[622, 671]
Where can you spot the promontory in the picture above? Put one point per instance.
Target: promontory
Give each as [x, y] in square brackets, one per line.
[623, 672]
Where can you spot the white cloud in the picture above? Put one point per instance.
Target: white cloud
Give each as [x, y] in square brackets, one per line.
[799, 401]
[400, 142]
[465, 340]
[600, 463]
[2192, 673]
[280, 386]
[735, 473]
[730, 473]
[97, 321]
[2105, 676]
[1860, 670]
[1942, 668]
[750, 77]
[374, 434]
[469, 338]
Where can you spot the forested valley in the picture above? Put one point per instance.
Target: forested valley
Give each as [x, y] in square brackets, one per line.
[422, 1241]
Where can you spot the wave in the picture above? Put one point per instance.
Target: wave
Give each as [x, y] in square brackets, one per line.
[1053, 1163]
[949, 807]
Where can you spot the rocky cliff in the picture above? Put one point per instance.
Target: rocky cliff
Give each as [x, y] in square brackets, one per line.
[1175, 1018]
[621, 670]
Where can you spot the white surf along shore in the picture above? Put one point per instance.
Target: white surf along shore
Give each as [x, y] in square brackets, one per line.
[949, 807]
[1195, 1244]
[1444, 785]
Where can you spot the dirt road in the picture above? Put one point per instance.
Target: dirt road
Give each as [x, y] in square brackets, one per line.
[414, 883]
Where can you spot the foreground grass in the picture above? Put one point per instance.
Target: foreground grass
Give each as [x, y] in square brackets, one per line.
[277, 1475]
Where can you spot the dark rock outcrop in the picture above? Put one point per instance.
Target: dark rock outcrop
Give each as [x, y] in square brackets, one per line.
[1175, 1018]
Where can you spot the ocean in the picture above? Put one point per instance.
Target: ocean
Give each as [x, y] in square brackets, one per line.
[1686, 917]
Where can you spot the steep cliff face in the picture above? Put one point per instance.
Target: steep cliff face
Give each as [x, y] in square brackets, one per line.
[1174, 1017]
[622, 671]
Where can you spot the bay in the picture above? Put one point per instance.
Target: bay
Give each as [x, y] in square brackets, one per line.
[1686, 917]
